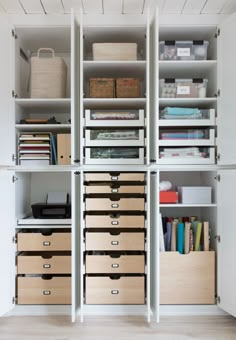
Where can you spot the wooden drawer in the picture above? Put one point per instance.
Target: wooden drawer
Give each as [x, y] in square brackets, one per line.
[125, 290]
[99, 176]
[27, 264]
[38, 241]
[97, 264]
[122, 241]
[119, 221]
[37, 291]
[125, 204]
[122, 189]
[187, 279]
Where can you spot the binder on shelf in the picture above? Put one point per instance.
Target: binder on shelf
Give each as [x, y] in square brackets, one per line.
[187, 237]
[206, 236]
[173, 236]
[180, 238]
[198, 236]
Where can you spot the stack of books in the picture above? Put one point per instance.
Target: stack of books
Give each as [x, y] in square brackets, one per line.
[34, 148]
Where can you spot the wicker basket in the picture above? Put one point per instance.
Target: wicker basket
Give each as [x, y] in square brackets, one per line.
[101, 87]
[127, 88]
[48, 76]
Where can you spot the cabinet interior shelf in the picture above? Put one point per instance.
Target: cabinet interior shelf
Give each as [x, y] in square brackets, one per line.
[186, 67]
[187, 102]
[61, 104]
[42, 127]
[119, 103]
[181, 205]
[129, 66]
[38, 221]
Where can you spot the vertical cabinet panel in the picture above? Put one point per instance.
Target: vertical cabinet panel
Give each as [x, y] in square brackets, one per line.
[226, 248]
[226, 109]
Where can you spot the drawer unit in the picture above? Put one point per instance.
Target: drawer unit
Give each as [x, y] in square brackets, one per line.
[44, 264]
[36, 290]
[118, 118]
[39, 242]
[125, 204]
[114, 177]
[131, 264]
[114, 155]
[111, 137]
[115, 189]
[116, 220]
[120, 242]
[124, 290]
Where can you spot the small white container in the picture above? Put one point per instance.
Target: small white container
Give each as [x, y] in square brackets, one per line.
[114, 51]
[195, 195]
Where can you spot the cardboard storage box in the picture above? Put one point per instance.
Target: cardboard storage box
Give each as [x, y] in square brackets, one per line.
[114, 51]
[195, 195]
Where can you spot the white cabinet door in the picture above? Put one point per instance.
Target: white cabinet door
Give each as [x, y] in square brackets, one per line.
[7, 247]
[226, 81]
[76, 88]
[6, 100]
[227, 245]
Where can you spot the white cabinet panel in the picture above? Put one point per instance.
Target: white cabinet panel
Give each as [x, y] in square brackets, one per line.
[226, 81]
[92, 7]
[133, 6]
[173, 6]
[53, 6]
[226, 248]
[148, 5]
[75, 4]
[193, 6]
[32, 6]
[113, 6]
[6, 245]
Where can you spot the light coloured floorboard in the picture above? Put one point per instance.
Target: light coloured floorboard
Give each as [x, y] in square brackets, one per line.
[114, 328]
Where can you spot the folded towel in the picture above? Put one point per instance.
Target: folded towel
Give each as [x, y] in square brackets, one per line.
[183, 111]
[183, 135]
[193, 116]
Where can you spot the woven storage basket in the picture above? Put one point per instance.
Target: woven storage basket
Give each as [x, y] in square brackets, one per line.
[127, 88]
[101, 87]
[48, 76]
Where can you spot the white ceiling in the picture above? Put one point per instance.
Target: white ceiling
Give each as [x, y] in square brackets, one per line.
[117, 6]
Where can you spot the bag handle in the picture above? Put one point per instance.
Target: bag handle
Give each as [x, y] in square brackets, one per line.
[46, 49]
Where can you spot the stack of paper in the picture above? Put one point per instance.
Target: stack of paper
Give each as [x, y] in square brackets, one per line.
[34, 149]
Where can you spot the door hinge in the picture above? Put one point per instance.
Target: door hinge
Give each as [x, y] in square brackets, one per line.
[217, 178]
[217, 238]
[14, 158]
[218, 157]
[13, 33]
[14, 179]
[77, 173]
[218, 299]
[218, 93]
[14, 239]
[14, 300]
[13, 93]
[217, 34]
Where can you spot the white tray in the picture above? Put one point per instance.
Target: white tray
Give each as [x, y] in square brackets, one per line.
[190, 142]
[90, 160]
[112, 142]
[189, 160]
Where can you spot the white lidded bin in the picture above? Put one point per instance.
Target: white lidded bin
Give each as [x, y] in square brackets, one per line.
[114, 51]
[48, 75]
[195, 195]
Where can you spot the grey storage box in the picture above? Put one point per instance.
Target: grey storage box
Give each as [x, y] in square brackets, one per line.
[195, 195]
[48, 75]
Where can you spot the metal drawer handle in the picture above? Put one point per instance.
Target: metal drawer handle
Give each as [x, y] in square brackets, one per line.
[115, 265]
[115, 243]
[115, 291]
[46, 266]
[46, 292]
[46, 243]
[115, 205]
[114, 190]
[114, 178]
[114, 222]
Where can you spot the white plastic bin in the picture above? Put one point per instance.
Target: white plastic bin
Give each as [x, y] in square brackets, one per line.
[195, 195]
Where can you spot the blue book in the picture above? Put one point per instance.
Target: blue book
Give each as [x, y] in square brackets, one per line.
[168, 239]
[180, 238]
[54, 149]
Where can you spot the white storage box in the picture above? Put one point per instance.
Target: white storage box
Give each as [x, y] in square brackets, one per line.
[183, 88]
[114, 155]
[183, 50]
[171, 116]
[111, 137]
[114, 118]
[186, 155]
[48, 76]
[114, 51]
[195, 195]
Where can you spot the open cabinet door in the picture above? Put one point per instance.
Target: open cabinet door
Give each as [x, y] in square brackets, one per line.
[7, 130]
[76, 88]
[7, 247]
[226, 80]
[153, 71]
[227, 244]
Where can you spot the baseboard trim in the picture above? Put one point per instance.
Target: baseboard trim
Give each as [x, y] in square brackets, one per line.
[175, 310]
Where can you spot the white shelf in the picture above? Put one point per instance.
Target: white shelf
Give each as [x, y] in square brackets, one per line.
[45, 222]
[187, 102]
[185, 122]
[137, 66]
[119, 103]
[42, 127]
[57, 104]
[183, 68]
[181, 205]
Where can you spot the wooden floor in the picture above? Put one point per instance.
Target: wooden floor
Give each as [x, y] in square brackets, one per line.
[114, 328]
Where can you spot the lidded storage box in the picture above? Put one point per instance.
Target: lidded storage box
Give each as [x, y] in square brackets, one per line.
[183, 88]
[48, 76]
[101, 87]
[183, 50]
[127, 88]
[114, 51]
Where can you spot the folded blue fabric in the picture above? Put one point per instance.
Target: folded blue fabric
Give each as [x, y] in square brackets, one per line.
[180, 111]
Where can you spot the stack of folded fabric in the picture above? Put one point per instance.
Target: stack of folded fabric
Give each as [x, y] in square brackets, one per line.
[180, 113]
[182, 152]
[188, 134]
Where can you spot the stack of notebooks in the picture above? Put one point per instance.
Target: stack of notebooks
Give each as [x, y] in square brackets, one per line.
[184, 234]
[34, 148]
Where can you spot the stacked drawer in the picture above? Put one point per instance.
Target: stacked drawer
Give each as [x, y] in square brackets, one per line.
[115, 238]
[44, 267]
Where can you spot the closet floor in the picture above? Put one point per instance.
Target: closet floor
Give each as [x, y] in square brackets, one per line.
[114, 328]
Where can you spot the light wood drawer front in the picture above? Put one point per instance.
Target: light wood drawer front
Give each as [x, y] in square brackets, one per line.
[35, 290]
[187, 279]
[125, 204]
[97, 264]
[106, 241]
[125, 290]
[91, 177]
[40, 265]
[123, 189]
[123, 221]
[38, 242]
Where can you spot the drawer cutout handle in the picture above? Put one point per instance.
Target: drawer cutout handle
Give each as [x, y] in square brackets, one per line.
[115, 265]
[46, 292]
[114, 178]
[115, 243]
[114, 190]
[115, 205]
[114, 222]
[46, 266]
[46, 243]
[115, 291]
